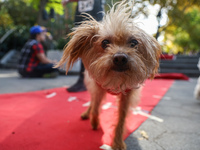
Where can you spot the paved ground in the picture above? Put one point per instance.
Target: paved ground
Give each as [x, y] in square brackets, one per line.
[11, 82]
[178, 108]
[180, 129]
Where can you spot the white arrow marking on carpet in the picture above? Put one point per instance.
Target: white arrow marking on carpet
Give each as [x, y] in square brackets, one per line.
[105, 147]
[71, 98]
[107, 106]
[157, 96]
[86, 104]
[167, 98]
[139, 111]
[51, 95]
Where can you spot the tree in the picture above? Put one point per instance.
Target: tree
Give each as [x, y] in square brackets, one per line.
[184, 33]
[21, 15]
[20, 12]
[181, 32]
[6, 20]
[45, 7]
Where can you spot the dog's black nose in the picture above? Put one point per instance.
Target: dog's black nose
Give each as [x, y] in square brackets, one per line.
[120, 59]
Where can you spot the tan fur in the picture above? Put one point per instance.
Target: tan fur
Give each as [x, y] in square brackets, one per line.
[143, 62]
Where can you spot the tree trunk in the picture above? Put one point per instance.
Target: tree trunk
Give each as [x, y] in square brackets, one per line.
[42, 5]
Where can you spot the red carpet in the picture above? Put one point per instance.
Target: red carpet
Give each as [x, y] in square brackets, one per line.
[175, 76]
[167, 57]
[50, 119]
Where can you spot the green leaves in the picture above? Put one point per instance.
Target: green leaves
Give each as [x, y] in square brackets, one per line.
[6, 20]
[185, 31]
[56, 4]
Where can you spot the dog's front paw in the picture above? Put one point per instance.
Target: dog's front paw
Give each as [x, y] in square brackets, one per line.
[94, 122]
[119, 146]
[84, 115]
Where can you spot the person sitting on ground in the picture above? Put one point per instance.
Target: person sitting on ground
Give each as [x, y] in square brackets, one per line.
[33, 61]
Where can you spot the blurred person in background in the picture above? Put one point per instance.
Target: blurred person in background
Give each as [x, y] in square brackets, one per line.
[48, 42]
[95, 8]
[33, 61]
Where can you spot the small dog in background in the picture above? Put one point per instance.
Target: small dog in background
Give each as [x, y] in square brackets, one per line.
[197, 90]
[197, 87]
[118, 57]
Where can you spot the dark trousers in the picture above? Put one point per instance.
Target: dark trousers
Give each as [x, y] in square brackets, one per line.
[81, 75]
[39, 71]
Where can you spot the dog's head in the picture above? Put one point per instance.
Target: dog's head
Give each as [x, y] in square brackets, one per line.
[117, 54]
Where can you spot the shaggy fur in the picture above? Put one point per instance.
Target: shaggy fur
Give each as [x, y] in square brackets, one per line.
[118, 57]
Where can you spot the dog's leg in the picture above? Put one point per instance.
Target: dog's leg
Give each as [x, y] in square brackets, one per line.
[124, 103]
[85, 115]
[97, 97]
[97, 94]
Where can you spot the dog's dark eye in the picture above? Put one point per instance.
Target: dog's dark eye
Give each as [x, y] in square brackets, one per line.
[104, 44]
[133, 43]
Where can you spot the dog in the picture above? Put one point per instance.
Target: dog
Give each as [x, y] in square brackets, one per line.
[197, 87]
[197, 90]
[118, 57]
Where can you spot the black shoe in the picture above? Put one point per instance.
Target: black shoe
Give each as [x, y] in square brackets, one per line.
[78, 87]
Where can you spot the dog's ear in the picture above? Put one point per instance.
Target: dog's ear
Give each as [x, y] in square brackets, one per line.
[157, 56]
[151, 51]
[81, 40]
[156, 53]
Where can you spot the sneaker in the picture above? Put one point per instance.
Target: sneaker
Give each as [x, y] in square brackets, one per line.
[50, 75]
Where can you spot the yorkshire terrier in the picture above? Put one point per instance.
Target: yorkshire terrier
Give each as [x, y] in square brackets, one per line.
[118, 57]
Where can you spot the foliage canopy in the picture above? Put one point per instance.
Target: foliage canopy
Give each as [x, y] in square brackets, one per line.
[181, 32]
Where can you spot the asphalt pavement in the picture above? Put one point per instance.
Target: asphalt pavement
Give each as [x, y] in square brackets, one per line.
[178, 108]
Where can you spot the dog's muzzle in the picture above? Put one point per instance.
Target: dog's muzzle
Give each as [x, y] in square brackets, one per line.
[120, 61]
